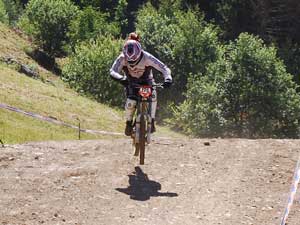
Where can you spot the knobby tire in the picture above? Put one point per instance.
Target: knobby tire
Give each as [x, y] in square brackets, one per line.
[137, 149]
[142, 139]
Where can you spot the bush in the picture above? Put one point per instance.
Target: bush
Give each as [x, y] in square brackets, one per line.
[88, 70]
[196, 45]
[14, 10]
[25, 24]
[290, 53]
[181, 39]
[3, 13]
[88, 24]
[201, 113]
[48, 21]
[247, 94]
[156, 32]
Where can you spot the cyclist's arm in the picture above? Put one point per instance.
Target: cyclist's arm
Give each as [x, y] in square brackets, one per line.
[160, 66]
[116, 68]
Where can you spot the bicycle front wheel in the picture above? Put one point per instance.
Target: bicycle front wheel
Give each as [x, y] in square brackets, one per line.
[142, 140]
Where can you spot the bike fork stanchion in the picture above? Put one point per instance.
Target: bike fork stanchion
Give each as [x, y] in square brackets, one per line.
[149, 126]
[137, 127]
[149, 121]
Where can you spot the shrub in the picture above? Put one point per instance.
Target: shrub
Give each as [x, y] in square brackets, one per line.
[88, 24]
[14, 10]
[290, 53]
[195, 44]
[88, 70]
[201, 114]
[3, 13]
[181, 39]
[48, 21]
[157, 31]
[247, 94]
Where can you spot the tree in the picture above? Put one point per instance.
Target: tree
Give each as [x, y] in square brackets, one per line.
[88, 69]
[196, 45]
[183, 40]
[88, 24]
[3, 13]
[49, 21]
[121, 16]
[14, 10]
[247, 94]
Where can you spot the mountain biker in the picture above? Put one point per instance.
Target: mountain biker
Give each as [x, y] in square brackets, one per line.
[137, 64]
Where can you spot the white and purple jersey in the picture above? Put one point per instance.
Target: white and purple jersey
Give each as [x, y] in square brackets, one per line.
[142, 70]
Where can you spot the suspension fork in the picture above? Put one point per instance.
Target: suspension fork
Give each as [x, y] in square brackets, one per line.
[149, 120]
[143, 109]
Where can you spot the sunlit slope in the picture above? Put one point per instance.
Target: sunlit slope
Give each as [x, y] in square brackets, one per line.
[53, 99]
[12, 45]
[61, 103]
[16, 47]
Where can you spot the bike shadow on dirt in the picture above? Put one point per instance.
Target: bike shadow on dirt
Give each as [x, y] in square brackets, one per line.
[141, 188]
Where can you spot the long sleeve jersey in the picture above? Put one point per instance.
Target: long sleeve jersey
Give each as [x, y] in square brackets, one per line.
[142, 70]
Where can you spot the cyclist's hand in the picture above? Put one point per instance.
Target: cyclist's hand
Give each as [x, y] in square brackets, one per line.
[167, 83]
[124, 81]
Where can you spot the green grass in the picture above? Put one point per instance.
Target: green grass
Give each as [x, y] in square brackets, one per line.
[59, 102]
[18, 128]
[15, 45]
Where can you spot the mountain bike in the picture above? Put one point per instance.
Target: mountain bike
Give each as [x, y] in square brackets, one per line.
[141, 134]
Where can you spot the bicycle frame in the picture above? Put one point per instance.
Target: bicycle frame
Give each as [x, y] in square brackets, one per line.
[143, 120]
[144, 108]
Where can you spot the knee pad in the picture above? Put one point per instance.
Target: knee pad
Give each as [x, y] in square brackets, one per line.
[130, 109]
[130, 104]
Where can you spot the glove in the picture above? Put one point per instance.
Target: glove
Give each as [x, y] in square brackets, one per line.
[167, 84]
[124, 81]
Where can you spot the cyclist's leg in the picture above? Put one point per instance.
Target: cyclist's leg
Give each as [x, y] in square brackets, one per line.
[130, 108]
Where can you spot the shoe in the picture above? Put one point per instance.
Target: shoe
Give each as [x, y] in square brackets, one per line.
[153, 129]
[128, 128]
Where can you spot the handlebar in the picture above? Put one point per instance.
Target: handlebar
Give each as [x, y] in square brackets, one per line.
[159, 85]
[155, 85]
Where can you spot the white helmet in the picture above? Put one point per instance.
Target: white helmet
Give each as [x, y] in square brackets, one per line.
[132, 51]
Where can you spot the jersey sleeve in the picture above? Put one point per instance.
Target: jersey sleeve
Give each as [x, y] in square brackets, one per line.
[116, 68]
[160, 66]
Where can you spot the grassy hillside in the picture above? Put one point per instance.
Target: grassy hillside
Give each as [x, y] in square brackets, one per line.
[48, 99]
[35, 96]
[14, 46]
[53, 99]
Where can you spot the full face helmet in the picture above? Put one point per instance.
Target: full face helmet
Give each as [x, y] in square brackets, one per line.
[132, 51]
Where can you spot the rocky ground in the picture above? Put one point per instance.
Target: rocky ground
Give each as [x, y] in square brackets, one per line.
[189, 181]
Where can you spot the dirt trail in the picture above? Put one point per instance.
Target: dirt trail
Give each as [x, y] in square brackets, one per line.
[184, 182]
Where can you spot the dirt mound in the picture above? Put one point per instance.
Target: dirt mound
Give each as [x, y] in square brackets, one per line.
[209, 182]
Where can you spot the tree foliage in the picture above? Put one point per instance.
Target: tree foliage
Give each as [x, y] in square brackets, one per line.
[14, 10]
[181, 39]
[3, 13]
[196, 45]
[88, 70]
[49, 21]
[248, 93]
[89, 24]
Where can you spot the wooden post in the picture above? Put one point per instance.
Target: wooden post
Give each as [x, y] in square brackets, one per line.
[2, 143]
[79, 129]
